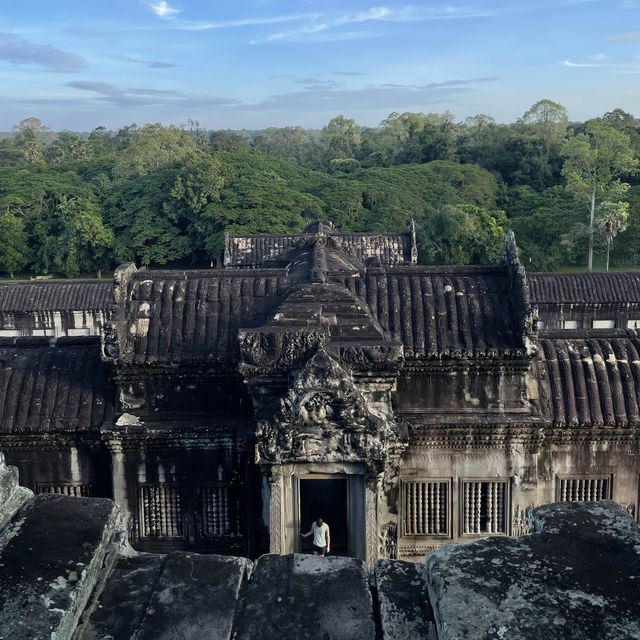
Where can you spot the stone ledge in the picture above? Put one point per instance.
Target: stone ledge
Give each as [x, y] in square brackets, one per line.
[51, 556]
[576, 577]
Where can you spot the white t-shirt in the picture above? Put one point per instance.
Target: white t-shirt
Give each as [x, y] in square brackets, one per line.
[320, 534]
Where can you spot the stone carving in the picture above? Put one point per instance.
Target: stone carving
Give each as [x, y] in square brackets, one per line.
[520, 524]
[264, 351]
[275, 511]
[110, 344]
[324, 418]
[389, 541]
[629, 508]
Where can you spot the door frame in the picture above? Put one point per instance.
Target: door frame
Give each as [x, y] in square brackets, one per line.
[356, 528]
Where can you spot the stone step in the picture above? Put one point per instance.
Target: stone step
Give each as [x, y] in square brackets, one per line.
[12, 495]
[182, 595]
[403, 601]
[300, 596]
[52, 554]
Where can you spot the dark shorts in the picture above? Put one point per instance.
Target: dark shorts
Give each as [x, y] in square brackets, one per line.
[321, 550]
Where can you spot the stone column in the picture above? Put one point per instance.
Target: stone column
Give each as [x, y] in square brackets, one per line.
[275, 510]
[371, 518]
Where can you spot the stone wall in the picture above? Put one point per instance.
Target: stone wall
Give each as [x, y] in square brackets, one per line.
[68, 574]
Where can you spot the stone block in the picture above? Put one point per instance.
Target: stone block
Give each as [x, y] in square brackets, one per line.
[195, 597]
[119, 608]
[303, 596]
[405, 612]
[12, 495]
[576, 577]
[51, 556]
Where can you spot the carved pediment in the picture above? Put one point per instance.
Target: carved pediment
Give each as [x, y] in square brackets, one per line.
[265, 351]
[324, 418]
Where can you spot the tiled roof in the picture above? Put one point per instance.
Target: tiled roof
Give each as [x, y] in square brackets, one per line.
[590, 381]
[53, 385]
[66, 295]
[585, 288]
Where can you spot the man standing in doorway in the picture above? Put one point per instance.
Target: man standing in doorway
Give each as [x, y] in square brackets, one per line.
[321, 538]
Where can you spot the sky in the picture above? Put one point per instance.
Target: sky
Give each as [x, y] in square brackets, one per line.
[78, 64]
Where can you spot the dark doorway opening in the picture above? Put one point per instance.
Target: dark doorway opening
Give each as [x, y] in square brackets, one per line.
[327, 499]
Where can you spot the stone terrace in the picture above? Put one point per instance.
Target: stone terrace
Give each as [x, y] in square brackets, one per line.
[67, 573]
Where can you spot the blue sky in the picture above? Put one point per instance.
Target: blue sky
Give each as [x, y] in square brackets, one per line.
[77, 64]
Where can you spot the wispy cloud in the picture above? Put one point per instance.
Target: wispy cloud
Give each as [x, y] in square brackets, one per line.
[333, 98]
[570, 63]
[164, 10]
[320, 24]
[624, 37]
[17, 50]
[616, 67]
[204, 25]
[143, 97]
[152, 64]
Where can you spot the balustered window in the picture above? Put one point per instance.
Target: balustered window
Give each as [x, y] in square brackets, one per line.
[218, 510]
[583, 489]
[484, 507]
[77, 490]
[160, 511]
[425, 508]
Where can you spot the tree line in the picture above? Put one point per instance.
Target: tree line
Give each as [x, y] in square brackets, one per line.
[79, 203]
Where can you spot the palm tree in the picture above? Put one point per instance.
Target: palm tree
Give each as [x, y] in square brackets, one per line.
[612, 220]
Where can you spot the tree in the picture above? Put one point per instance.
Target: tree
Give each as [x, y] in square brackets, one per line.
[416, 137]
[547, 119]
[341, 138]
[289, 142]
[462, 234]
[30, 136]
[595, 162]
[153, 147]
[613, 218]
[14, 251]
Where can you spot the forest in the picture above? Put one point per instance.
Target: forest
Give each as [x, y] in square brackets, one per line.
[79, 203]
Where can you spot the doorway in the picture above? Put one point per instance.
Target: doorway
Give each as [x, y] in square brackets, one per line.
[325, 498]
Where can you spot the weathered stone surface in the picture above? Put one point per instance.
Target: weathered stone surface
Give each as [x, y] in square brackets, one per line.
[576, 577]
[175, 597]
[12, 495]
[194, 597]
[405, 612]
[120, 607]
[51, 554]
[299, 596]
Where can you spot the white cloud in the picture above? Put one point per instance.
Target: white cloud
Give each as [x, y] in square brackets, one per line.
[569, 63]
[409, 13]
[616, 67]
[198, 25]
[164, 10]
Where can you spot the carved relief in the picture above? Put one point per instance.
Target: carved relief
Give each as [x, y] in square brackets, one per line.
[324, 418]
[520, 525]
[268, 351]
[389, 541]
[275, 512]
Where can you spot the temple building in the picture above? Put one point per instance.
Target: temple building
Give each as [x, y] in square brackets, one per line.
[325, 374]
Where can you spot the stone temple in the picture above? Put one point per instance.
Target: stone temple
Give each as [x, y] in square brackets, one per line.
[324, 374]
